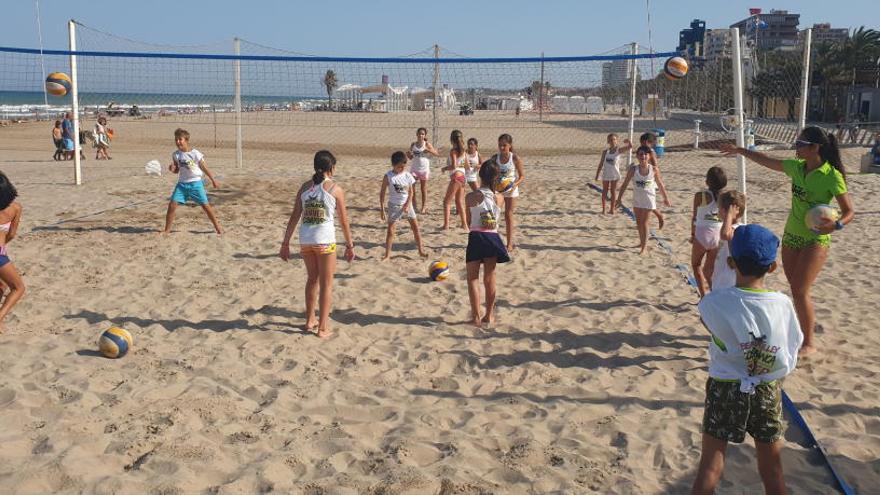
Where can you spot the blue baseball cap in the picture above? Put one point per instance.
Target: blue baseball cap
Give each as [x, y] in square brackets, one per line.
[755, 243]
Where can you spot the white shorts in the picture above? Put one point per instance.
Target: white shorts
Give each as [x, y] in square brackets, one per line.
[471, 176]
[513, 193]
[610, 173]
[396, 212]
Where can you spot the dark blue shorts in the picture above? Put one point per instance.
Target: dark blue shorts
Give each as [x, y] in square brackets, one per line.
[483, 245]
[4, 260]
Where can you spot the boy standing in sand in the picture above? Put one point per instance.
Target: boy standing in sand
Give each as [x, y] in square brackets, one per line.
[754, 345]
[189, 164]
[400, 184]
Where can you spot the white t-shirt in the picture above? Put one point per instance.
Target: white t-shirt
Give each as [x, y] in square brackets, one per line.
[723, 276]
[188, 162]
[398, 187]
[755, 335]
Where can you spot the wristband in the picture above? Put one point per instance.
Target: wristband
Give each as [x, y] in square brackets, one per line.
[838, 225]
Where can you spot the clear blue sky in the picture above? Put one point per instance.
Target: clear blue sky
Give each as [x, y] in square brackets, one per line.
[388, 28]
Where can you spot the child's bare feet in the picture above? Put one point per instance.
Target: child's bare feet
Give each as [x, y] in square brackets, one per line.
[325, 333]
[805, 351]
[488, 321]
[311, 325]
[386, 257]
[423, 254]
[477, 321]
[660, 220]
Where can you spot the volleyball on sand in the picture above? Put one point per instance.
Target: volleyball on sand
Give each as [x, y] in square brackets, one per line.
[115, 342]
[438, 271]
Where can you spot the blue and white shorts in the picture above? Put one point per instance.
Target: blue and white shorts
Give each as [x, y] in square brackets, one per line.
[193, 191]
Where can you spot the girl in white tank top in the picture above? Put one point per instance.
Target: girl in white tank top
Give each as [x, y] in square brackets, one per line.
[420, 152]
[456, 165]
[473, 164]
[511, 167]
[609, 169]
[318, 202]
[484, 216]
[706, 229]
[646, 180]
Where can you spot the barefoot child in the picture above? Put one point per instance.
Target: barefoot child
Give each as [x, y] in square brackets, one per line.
[754, 346]
[472, 171]
[189, 164]
[646, 179]
[484, 246]
[318, 201]
[420, 153]
[510, 166]
[731, 206]
[649, 139]
[456, 165]
[706, 228]
[609, 168]
[10, 217]
[400, 183]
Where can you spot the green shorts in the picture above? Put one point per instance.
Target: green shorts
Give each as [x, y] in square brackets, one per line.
[730, 414]
[795, 241]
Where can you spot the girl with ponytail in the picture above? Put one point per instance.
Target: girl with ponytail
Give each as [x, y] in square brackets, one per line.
[456, 165]
[318, 202]
[817, 175]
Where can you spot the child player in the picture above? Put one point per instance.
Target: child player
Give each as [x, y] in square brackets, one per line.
[754, 345]
[189, 164]
[400, 184]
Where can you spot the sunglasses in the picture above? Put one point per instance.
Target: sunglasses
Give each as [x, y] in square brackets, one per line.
[800, 143]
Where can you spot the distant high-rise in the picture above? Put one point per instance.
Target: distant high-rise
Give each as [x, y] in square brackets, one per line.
[692, 40]
[616, 73]
[776, 29]
[717, 44]
[824, 33]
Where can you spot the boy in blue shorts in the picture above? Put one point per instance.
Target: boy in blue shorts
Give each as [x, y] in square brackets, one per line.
[754, 345]
[190, 165]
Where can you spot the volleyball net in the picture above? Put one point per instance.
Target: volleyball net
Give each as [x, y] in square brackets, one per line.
[248, 103]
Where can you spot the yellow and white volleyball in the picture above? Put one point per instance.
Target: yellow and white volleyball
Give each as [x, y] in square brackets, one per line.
[153, 167]
[504, 184]
[819, 215]
[58, 84]
[438, 271]
[675, 68]
[115, 342]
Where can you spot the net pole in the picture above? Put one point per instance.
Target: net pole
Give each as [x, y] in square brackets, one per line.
[738, 108]
[632, 102]
[541, 92]
[74, 95]
[236, 75]
[42, 63]
[435, 117]
[805, 82]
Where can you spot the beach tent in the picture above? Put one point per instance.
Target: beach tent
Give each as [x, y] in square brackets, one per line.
[594, 105]
[576, 104]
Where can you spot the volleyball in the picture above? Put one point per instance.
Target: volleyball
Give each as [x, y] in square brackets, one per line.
[820, 214]
[675, 68]
[504, 184]
[115, 342]
[57, 84]
[438, 271]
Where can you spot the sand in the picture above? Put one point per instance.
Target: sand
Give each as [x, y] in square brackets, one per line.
[591, 382]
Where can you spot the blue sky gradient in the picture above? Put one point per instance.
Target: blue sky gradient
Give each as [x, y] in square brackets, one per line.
[384, 28]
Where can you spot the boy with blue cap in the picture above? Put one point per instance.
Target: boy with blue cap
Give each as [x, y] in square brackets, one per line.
[754, 345]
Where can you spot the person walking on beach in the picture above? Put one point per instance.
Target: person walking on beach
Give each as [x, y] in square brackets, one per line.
[645, 178]
[754, 346]
[456, 165]
[399, 182]
[317, 202]
[706, 228]
[484, 248]
[510, 167]
[609, 169]
[189, 164]
[11, 284]
[67, 136]
[420, 152]
[817, 176]
[57, 139]
[102, 140]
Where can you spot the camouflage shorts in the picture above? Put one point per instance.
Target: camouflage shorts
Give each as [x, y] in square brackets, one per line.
[729, 413]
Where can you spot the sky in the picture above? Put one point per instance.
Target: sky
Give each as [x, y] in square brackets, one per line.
[475, 28]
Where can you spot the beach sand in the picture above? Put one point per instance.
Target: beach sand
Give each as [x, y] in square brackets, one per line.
[591, 382]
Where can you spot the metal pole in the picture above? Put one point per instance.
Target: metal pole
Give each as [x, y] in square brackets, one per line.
[214, 111]
[42, 64]
[435, 117]
[632, 102]
[239, 153]
[738, 108]
[805, 83]
[74, 95]
[541, 92]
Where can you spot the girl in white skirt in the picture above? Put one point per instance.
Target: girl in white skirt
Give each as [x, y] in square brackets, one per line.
[646, 178]
[609, 169]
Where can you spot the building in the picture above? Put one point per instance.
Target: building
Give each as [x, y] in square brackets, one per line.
[692, 40]
[824, 33]
[777, 29]
[616, 73]
[717, 45]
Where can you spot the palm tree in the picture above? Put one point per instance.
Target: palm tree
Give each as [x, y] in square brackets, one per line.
[847, 62]
[330, 84]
